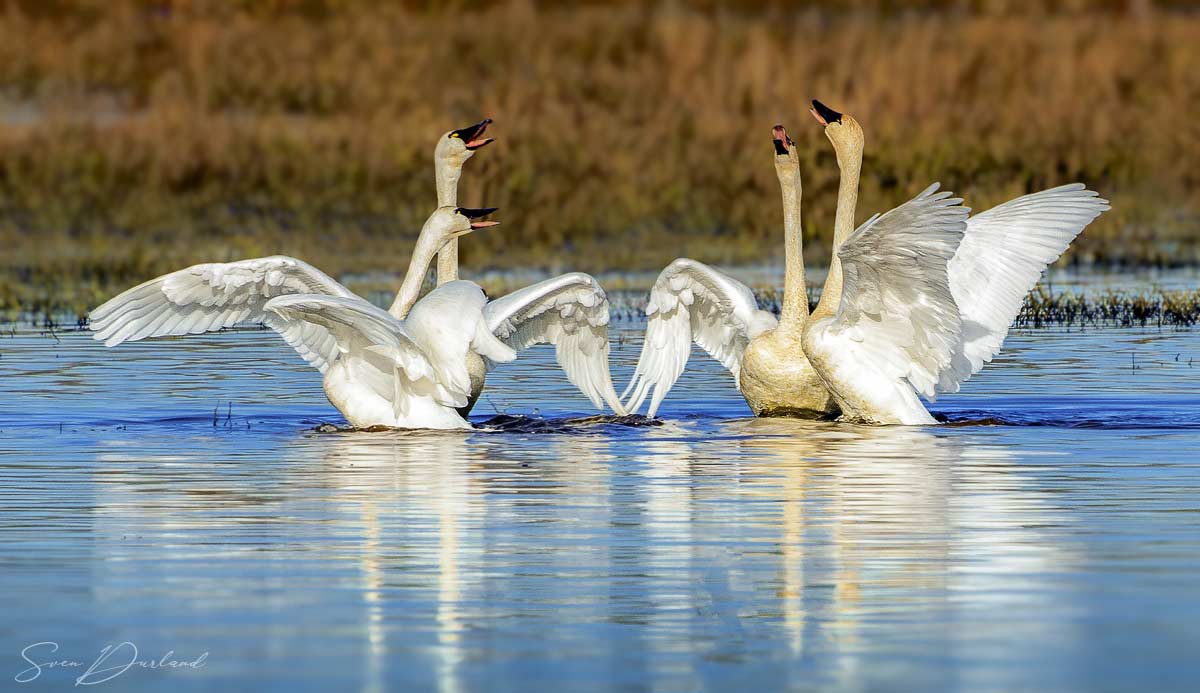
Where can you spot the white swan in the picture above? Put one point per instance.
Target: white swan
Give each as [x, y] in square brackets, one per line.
[918, 299]
[570, 311]
[691, 301]
[378, 370]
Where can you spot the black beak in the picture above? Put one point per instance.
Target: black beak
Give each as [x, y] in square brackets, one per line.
[782, 141]
[475, 213]
[826, 114]
[472, 135]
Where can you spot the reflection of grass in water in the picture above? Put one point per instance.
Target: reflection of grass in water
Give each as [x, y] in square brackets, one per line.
[137, 138]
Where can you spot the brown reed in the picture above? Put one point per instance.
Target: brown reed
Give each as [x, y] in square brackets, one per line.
[139, 137]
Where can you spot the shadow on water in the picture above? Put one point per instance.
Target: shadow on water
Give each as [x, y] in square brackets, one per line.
[1174, 414]
[509, 423]
[519, 423]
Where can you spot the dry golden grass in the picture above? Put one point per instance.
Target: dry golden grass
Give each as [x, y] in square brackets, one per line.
[137, 137]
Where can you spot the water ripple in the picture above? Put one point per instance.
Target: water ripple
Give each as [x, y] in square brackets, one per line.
[179, 495]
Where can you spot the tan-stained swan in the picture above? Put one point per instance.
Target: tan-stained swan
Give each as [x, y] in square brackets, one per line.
[570, 311]
[378, 370]
[919, 298]
[691, 301]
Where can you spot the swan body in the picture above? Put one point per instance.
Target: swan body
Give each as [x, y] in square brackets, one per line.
[408, 374]
[692, 302]
[871, 394]
[920, 298]
[363, 408]
[779, 380]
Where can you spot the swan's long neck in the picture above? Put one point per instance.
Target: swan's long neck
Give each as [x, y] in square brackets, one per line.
[447, 193]
[418, 265]
[849, 158]
[794, 312]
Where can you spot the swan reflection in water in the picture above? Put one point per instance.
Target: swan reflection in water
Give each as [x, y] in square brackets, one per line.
[459, 531]
[484, 547]
[892, 517]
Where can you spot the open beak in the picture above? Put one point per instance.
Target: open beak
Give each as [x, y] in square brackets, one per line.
[824, 114]
[476, 214]
[472, 135]
[783, 143]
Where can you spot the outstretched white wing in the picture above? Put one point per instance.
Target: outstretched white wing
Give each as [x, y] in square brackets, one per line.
[211, 296]
[690, 302]
[355, 326]
[569, 311]
[376, 347]
[1003, 252]
[896, 302]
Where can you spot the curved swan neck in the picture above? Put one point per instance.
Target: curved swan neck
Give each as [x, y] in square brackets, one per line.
[418, 266]
[794, 311]
[849, 158]
[447, 176]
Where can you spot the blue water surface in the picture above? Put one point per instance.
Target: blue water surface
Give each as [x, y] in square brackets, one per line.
[174, 495]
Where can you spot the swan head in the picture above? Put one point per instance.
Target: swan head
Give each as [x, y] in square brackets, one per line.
[456, 146]
[447, 223]
[787, 158]
[842, 129]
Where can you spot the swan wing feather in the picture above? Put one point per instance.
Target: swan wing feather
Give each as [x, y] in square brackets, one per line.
[215, 295]
[896, 300]
[375, 346]
[1002, 255]
[692, 302]
[570, 311]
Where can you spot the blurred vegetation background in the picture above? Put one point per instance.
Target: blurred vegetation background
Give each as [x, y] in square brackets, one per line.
[139, 137]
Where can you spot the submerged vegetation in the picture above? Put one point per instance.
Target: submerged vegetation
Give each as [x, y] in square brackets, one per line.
[140, 137]
[1178, 308]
